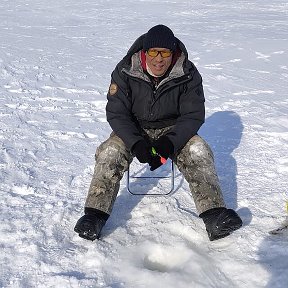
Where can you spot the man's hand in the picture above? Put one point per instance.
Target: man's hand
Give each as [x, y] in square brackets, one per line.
[145, 154]
[164, 147]
[142, 151]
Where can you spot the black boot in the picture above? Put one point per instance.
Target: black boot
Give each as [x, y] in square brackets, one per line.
[90, 225]
[220, 222]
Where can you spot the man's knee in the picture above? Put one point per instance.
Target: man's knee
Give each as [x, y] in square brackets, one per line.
[196, 149]
[199, 148]
[113, 147]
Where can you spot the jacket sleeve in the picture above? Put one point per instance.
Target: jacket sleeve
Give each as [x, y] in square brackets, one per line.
[118, 110]
[192, 113]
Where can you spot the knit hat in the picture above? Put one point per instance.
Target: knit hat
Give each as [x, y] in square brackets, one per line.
[159, 36]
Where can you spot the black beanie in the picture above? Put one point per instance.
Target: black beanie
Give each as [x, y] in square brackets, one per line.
[159, 36]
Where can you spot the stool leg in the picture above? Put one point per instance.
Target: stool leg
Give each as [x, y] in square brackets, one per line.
[129, 177]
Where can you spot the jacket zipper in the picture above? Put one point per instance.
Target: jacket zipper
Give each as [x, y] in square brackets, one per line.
[157, 90]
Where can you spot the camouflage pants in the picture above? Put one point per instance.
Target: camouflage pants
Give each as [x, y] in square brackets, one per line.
[195, 161]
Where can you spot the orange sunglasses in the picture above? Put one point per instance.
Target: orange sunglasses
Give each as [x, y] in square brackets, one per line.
[154, 53]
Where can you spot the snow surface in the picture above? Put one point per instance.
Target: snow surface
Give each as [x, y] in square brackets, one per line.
[55, 63]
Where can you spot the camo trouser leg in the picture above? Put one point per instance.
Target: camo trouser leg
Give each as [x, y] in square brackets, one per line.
[112, 160]
[196, 162]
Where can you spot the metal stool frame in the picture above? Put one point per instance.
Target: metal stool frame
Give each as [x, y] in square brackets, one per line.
[151, 177]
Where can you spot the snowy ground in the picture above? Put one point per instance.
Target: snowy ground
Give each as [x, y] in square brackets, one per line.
[55, 63]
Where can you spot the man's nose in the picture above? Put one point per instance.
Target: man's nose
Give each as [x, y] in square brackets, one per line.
[159, 57]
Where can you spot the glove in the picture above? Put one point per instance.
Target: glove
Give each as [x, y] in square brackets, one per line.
[143, 152]
[155, 162]
[164, 147]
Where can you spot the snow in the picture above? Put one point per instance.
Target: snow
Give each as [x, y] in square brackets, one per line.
[55, 63]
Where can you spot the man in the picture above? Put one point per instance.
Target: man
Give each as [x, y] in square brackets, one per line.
[156, 100]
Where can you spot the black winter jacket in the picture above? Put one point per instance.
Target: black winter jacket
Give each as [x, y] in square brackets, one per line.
[134, 103]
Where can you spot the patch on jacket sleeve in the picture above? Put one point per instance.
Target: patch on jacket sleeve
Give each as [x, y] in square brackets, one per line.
[113, 89]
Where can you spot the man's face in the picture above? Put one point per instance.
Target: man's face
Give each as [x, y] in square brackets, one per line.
[157, 63]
